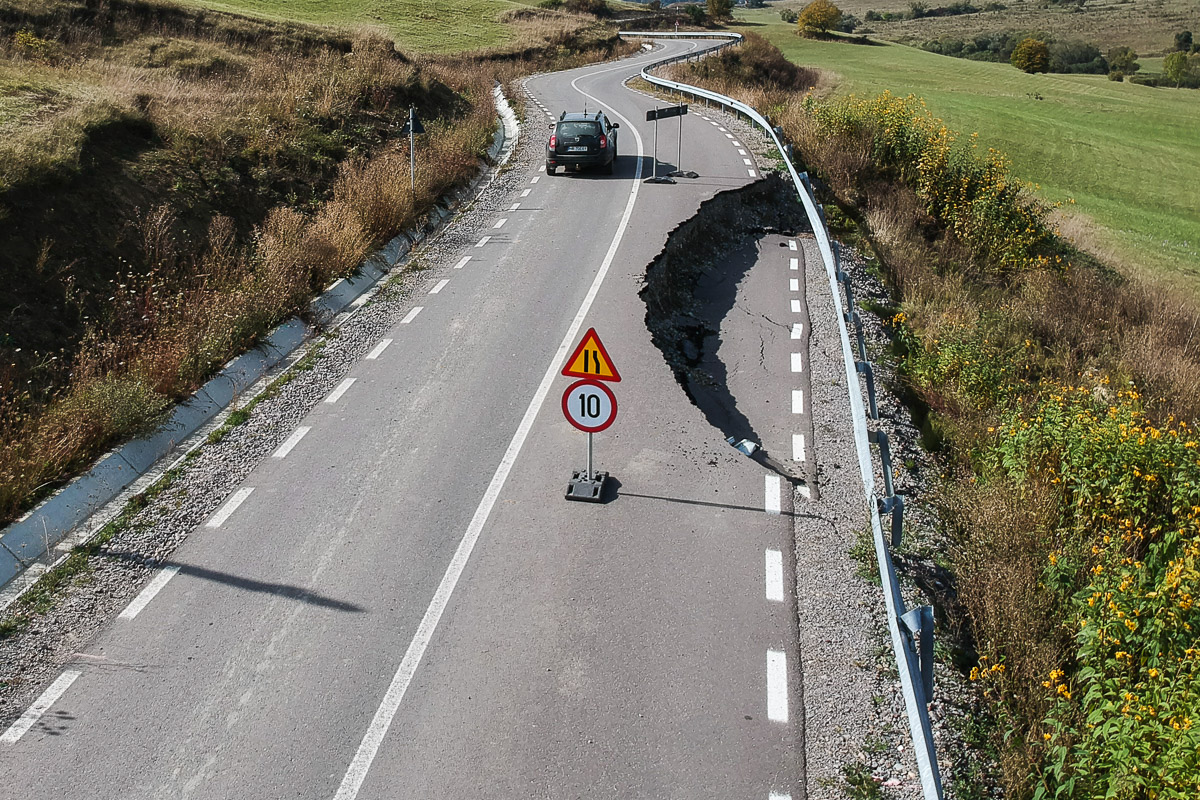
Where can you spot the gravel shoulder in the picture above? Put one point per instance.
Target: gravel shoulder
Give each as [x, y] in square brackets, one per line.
[184, 497]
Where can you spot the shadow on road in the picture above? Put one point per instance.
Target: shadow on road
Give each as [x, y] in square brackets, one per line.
[250, 584]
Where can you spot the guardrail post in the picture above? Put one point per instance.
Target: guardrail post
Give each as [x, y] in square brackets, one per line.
[885, 458]
[856, 320]
[864, 369]
[919, 623]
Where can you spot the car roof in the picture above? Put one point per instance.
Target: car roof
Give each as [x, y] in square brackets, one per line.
[578, 116]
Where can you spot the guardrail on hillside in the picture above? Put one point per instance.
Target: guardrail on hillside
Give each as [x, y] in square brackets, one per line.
[906, 626]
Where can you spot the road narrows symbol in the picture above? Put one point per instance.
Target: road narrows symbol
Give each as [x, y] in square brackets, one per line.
[590, 360]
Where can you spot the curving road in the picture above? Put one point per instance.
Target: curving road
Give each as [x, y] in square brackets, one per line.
[454, 627]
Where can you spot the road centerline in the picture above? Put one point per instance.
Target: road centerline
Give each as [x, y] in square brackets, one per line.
[357, 771]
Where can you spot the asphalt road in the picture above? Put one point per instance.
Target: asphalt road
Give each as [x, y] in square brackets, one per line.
[404, 605]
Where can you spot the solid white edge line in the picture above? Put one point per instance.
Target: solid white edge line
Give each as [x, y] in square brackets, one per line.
[462, 262]
[777, 693]
[231, 505]
[794, 284]
[797, 401]
[774, 576]
[356, 773]
[298, 434]
[377, 350]
[439, 286]
[796, 307]
[483, 241]
[771, 492]
[337, 393]
[146, 595]
[797, 447]
[39, 707]
[797, 330]
[411, 315]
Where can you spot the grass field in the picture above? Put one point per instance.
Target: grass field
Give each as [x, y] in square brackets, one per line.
[1148, 26]
[431, 26]
[1128, 156]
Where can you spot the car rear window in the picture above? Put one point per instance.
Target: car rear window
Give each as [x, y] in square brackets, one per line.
[578, 129]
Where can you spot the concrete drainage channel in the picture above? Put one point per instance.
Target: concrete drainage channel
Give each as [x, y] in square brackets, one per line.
[42, 538]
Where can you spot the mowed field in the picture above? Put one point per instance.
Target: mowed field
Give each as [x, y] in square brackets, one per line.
[431, 26]
[1148, 26]
[1128, 156]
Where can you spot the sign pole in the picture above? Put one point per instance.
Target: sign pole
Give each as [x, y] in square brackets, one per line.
[655, 176]
[588, 475]
[679, 150]
[412, 155]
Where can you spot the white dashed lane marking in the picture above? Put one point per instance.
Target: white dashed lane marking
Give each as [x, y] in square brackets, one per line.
[747, 161]
[794, 284]
[410, 316]
[774, 576]
[797, 447]
[797, 401]
[797, 362]
[514, 206]
[462, 262]
[231, 505]
[440, 285]
[341, 389]
[753, 174]
[483, 241]
[777, 695]
[378, 349]
[295, 438]
[795, 263]
[499, 223]
[537, 178]
[146, 595]
[796, 309]
[791, 244]
[771, 491]
[741, 152]
[526, 193]
[39, 707]
[797, 330]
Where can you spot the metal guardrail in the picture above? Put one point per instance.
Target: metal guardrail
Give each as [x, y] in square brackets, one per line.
[911, 629]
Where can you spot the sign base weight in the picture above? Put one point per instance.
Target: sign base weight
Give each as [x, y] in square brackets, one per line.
[588, 490]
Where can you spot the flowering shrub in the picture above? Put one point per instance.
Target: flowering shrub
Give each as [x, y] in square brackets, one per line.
[970, 193]
[1125, 719]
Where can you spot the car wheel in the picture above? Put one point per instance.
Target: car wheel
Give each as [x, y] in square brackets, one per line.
[550, 169]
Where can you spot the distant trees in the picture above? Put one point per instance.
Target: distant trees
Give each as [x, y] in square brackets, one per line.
[789, 15]
[1123, 60]
[1183, 42]
[1031, 55]
[819, 17]
[695, 14]
[1181, 69]
[720, 9]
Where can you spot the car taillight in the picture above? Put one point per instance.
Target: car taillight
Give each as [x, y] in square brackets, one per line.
[603, 142]
[553, 141]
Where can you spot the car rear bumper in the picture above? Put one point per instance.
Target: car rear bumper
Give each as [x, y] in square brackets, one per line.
[577, 159]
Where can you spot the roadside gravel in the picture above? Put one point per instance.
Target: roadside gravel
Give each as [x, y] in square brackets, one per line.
[33, 657]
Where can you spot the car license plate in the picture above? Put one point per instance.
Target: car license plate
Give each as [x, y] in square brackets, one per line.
[576, 149]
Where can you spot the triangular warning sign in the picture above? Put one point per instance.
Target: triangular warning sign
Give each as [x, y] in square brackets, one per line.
[591, 360]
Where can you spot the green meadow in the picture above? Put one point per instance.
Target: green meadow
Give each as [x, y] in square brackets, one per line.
[430, 26]
[1125, 157]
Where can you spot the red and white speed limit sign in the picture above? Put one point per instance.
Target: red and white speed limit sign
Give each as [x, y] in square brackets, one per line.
[589, 405]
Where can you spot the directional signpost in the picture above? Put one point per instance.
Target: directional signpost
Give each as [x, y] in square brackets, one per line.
[654, 115]
[412, 128]
[590, 406]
